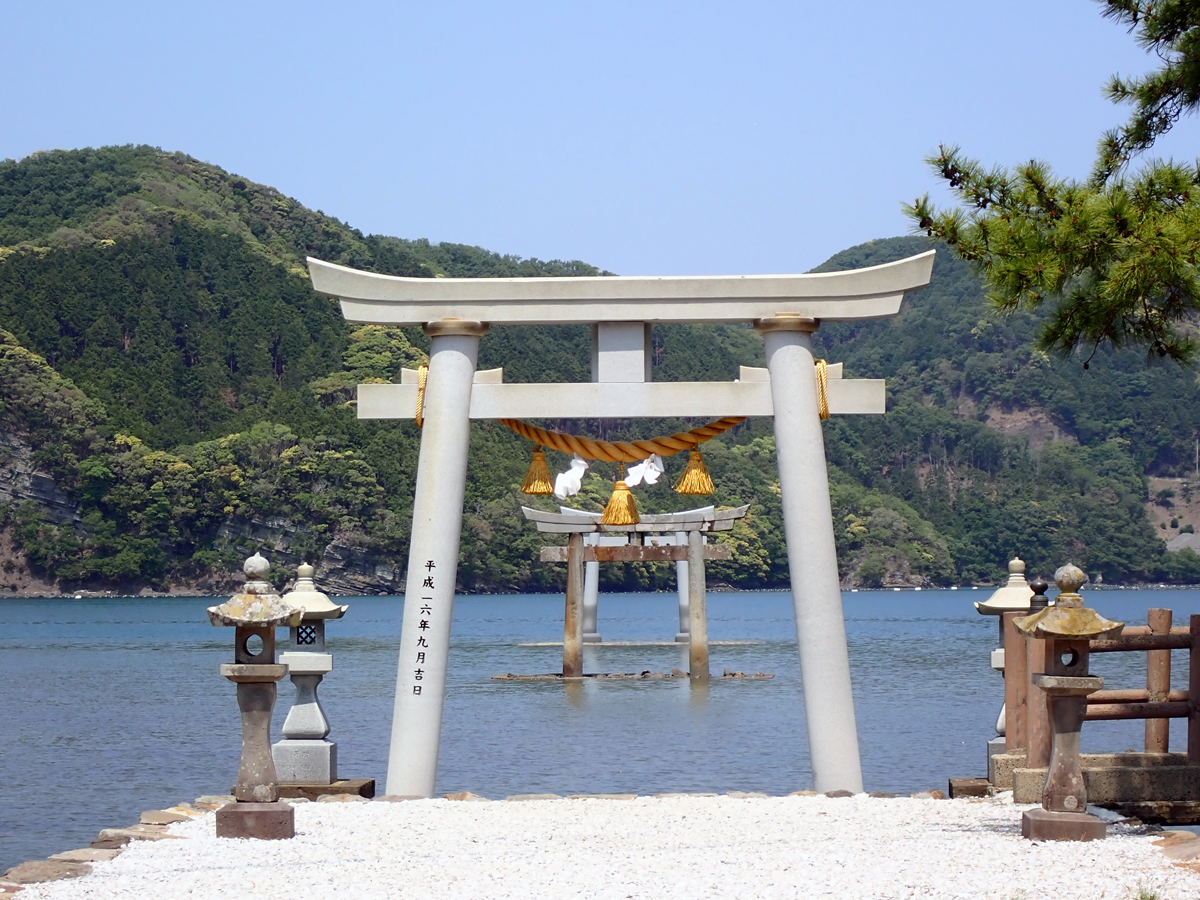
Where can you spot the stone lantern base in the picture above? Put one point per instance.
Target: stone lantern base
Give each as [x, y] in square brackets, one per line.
[305, 761]
[265, 821]
[1045, 825]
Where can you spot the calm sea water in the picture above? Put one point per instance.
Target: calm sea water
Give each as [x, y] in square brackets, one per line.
[112, 707]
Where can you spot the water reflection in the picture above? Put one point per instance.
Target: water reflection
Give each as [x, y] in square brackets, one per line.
[576, 692]
[591, 658]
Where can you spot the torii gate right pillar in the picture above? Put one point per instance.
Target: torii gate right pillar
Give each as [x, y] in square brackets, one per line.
[812, 555]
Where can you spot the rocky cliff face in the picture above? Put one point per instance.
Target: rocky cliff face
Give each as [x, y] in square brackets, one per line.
[342, 569]
[350, 570]
[21, 480]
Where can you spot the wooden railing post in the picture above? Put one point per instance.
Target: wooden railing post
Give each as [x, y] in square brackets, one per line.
[1158, 681]
[1016, 685]
[1037, 720]
[1193, 744]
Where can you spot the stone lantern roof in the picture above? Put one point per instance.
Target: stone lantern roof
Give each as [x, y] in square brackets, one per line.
[257, 604]
[1068, 618]
[1012, 597]
[314, 603]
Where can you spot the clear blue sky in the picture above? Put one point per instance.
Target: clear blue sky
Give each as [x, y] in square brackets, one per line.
[644, 137]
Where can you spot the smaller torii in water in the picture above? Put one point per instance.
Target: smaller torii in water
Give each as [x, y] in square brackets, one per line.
[627, 543]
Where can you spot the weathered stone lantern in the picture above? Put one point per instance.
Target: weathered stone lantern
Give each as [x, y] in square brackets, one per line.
[304, 756]
[1012, 597]
[1066, 627]
[255, 613]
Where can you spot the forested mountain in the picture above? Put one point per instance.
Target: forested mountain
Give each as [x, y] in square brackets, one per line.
[173, 395]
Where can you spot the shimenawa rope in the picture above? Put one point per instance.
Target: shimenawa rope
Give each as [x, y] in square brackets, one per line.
[622, 451]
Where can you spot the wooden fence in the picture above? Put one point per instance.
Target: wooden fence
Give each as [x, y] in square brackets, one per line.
[1027, 714]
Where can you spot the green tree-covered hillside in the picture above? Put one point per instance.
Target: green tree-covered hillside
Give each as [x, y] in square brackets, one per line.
[202, 407]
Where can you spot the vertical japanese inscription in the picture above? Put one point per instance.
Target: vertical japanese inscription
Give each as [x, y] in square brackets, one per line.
[423, 624]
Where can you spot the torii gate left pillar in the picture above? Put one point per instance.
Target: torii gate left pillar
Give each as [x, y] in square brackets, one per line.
[433, 558]
[786, 308]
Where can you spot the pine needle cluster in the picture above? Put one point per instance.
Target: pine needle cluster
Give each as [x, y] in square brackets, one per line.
[1170, 29]
[1116, 265]
[1113, 259]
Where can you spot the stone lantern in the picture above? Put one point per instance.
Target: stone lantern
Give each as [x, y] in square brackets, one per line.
[1066, 627]
[255, 613]
[1013, 596]
[304, 756]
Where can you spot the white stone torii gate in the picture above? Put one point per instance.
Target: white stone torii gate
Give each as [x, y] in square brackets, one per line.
[456, 312]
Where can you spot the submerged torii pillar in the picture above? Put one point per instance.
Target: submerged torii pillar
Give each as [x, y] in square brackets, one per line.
[456, 312]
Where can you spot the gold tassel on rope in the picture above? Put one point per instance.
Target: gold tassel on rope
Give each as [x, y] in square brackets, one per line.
[537, 479]
[822, 389]
[695, 478]
[422, 375]
[621, 509]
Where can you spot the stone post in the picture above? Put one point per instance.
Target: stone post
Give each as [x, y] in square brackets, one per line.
[433, 557]
[306, 720]
[591, 602]
[257, 781]
[697, 609]
[681, 587]
[812, 554]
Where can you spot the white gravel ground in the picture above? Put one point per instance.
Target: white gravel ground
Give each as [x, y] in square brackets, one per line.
[673, 847]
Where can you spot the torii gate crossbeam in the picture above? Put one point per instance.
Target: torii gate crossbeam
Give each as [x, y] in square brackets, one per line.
[456, 312]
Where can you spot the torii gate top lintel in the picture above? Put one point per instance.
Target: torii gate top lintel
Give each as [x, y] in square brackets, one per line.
[867, 293]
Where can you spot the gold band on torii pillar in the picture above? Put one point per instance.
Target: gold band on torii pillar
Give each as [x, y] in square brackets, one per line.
[451, 325]
[786, 322]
